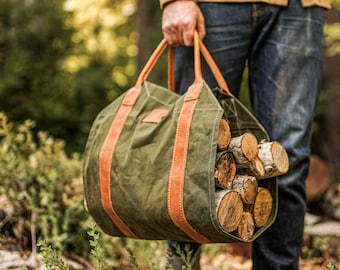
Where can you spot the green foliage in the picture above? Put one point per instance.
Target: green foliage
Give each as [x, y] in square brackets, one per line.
[186, 255]
[51, 258]
[133, 259]
[39, 177]
[39, 41]
[96, 248]
[332, 38]
[330, 266]
[33, 41]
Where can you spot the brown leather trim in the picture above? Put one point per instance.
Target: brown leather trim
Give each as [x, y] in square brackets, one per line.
[178, 165]
[155, 116]
[105, 159]
[171, 68]
[214, 68]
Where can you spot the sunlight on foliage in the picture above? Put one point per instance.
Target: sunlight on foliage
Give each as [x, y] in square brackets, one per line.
[335, 3]
[96, 22]
[38, 178]
[332, 39]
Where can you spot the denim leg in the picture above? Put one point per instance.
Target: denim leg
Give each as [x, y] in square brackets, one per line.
[285, 73]
[229, 29]
[284, 50]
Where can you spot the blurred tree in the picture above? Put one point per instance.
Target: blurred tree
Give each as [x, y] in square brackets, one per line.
[103, 58]
[33, 41]
[62, 61]
[148, 24]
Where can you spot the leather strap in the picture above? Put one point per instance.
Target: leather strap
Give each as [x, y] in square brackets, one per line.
[105, 160]
[179, 157]
[111, 139]
[214, 69]
[171, 69]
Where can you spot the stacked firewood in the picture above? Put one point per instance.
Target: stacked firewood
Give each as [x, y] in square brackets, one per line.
[241, 162]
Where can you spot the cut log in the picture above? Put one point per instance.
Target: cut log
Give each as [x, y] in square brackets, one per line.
[246, 186]
[224, 135]
[318, 180]
[229, 209]
[244, 147]
[225, 169]
[245, 150]
[245, 229]
[254, 168]
[262, 207]
[274, 158]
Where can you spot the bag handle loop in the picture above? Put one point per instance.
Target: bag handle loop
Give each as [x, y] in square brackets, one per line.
[199, 47]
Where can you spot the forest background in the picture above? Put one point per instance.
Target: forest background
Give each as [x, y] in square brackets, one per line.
[61, 62]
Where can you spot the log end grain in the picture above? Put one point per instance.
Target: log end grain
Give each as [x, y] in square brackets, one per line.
[250, 190]
[258, 167]
[249, 146]
[246, 227]
[246, 186]
[280, 157]
[229, 210]
[263, 206]
[224, 134]
[225, 170]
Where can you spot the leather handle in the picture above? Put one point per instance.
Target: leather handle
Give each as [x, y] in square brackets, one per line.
[199, 48]
[214, 68]
[171, 68]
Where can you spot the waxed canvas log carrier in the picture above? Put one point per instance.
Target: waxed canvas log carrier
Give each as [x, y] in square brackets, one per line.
[150, 158]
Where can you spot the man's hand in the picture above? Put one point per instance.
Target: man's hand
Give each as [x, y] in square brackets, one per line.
[180, 19]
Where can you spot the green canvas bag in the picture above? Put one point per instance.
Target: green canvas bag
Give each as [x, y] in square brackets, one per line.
[150, 158]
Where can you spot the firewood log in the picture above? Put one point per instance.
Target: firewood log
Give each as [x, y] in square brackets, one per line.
[246, 186]
[274, 158]
[318, 181]
[244, 147]
[254, 168]
[225, 169]
[224, 135]
[245, 150]
[262, 207]
[245, 229]
[229, 209]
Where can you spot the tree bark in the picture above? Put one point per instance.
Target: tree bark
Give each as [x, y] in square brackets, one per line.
[274, 158]
[254, 168]
[229, 209]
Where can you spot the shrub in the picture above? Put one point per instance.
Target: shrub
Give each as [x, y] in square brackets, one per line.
[43, 186]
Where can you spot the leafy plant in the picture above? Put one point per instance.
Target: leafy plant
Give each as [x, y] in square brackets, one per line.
[43, 186]
[185, 254]
[330, 266]
[51, 258]
[96, 249]
[133, 259]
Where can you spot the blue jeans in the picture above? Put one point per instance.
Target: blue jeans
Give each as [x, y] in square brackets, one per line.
[283, 48]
